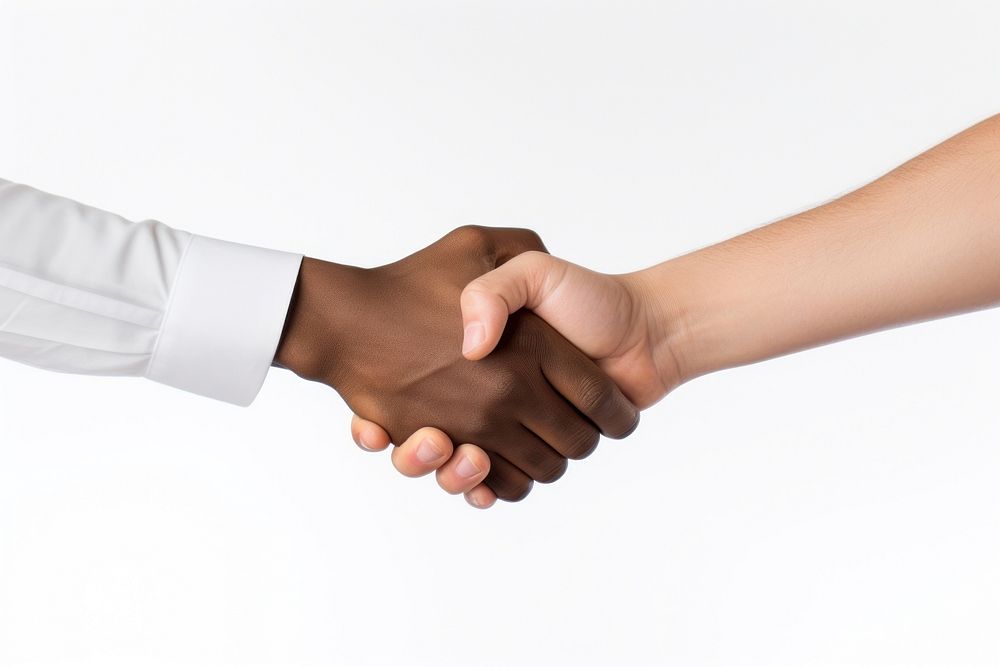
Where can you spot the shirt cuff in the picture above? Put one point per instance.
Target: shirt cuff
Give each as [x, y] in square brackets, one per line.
[224, 319]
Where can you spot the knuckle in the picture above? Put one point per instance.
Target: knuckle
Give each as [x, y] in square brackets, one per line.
[535, 238]
[473, 237]
[477, 293]
[508, 485]
[626, 431]
[534, 256]
[583, 441]
[505, 386]
[530, 266]
[475, 287]
[542, 463]
[516, 492]
[530, 240]
[597, 395]
[553, 471]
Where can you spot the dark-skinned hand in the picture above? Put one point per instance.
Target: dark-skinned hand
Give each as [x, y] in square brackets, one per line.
[389, 340]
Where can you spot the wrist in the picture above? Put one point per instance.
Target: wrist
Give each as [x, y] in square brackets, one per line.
[662, 318]
[687, 314]
[727, 305]
[324, 303]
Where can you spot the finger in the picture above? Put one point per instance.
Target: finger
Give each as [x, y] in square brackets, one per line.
[369, 436]
[560, 425]
[465, 470]
[426, 450]
[506, 480]
[592, 392]
[538, 459]
[481, 497]
[523, 282]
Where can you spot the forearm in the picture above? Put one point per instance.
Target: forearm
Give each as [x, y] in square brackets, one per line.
[86, 291]
[921, 242]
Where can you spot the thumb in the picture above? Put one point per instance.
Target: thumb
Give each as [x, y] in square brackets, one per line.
[522, 282]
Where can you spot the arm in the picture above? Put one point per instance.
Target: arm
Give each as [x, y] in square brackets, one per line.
[86, 291]
[921, 242]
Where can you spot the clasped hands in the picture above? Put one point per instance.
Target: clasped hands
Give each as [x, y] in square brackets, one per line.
[431, 350]
[522, 392]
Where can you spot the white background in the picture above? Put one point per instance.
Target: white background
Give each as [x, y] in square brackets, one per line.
[839, 506]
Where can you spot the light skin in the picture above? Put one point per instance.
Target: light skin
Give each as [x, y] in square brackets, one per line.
[388, 340]
[919, 243]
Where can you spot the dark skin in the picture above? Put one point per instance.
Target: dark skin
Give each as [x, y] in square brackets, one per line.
[389, 341]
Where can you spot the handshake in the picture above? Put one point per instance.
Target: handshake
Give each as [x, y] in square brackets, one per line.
[919, 243]
[431, 351]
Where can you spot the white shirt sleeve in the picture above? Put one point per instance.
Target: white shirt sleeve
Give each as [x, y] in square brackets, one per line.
[86, 291]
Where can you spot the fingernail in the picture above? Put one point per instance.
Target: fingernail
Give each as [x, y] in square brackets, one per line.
[476, 502]
[428, 451]
[363, 441]
[475, 334]
[466, 468]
